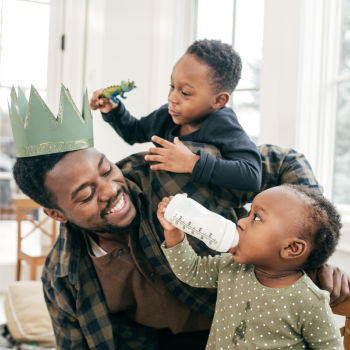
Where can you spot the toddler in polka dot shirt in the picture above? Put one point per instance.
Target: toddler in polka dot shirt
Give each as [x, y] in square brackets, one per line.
[265, 299]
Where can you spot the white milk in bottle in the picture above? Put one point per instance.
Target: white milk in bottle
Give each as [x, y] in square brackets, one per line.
[189, 216]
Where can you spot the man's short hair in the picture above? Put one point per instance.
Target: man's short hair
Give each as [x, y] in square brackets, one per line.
[30, 175]
[320, 225]
[224, 62]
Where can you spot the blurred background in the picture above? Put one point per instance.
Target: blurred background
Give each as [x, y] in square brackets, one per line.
[294, 91]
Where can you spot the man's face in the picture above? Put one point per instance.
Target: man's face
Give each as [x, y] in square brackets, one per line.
[92, 192]
[191, 93]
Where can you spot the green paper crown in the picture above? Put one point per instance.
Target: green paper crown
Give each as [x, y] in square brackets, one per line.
[36, 130]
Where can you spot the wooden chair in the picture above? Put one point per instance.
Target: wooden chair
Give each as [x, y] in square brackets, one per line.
[34, 257]
[343, 309]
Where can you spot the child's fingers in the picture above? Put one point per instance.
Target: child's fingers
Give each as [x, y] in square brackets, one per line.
[94, 102]
[96, 95]
[158, 150]
[160, 166]
[104, 101]
[154, 158]
[162, 142]
[166, 200]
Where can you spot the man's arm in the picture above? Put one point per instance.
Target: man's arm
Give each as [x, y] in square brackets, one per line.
[67, 329]
[334, 280]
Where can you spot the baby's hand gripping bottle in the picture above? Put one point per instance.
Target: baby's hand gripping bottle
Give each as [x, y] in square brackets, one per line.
[189, 216]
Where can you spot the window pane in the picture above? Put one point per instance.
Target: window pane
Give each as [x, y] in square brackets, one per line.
[246, 107]
[24, 44]
[249, 40]
[215, 19]
[345, 39]
[24, 47]
[341, 182]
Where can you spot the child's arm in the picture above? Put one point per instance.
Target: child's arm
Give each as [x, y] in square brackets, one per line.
[201, 272]
[129, 128]
[241, 170]
[319, 328]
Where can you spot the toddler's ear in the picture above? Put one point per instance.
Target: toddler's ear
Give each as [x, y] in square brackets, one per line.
[295, 248]
[220, 100]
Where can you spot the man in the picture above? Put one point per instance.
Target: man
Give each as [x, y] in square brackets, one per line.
[106, 283]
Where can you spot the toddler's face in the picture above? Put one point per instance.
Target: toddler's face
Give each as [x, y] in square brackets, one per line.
[269, 227]
[191, 94]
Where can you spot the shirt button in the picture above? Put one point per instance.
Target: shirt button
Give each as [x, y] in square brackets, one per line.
[153, 275]
[140, 262]
[120, 252]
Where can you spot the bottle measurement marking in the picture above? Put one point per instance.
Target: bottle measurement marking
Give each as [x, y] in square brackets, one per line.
[193, 230]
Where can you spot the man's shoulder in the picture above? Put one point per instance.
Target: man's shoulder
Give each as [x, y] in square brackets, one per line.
[57, 262]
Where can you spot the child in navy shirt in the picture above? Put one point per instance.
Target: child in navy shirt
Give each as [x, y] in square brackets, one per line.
[201, 83]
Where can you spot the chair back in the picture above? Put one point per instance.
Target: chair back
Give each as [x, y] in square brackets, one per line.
[343, 309]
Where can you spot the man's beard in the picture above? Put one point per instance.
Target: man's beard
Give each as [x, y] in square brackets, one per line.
[108, 227]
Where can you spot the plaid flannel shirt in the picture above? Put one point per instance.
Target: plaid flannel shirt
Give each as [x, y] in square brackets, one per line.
[72, 290]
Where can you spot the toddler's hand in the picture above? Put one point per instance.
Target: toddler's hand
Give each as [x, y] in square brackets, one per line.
[160, 214]
[174, 157]
[105, 105]
[173, 236]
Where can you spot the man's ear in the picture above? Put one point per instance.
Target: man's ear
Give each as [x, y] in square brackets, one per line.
[220, 100]
[295, 248]
[55, 214]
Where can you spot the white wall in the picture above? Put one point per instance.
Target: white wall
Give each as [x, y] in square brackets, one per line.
[279, 73]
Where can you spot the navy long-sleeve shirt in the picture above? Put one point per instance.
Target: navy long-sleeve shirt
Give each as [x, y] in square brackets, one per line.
[241, 169]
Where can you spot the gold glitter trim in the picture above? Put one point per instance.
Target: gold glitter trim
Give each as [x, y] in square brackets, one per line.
[55, 147]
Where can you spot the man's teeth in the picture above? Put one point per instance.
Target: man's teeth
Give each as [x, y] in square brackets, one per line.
[119, 205]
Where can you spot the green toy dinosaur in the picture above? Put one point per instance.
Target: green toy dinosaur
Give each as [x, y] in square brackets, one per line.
[113, 91]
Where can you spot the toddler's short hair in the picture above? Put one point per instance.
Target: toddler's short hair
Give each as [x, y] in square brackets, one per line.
[320, 225]
[224, 62]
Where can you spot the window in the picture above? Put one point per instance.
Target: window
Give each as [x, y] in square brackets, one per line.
[341, 178]
[24, 47]
[239, 23]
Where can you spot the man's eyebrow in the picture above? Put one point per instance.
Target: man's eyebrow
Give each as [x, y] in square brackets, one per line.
[75, 192]
[101, 161]
[261, 209]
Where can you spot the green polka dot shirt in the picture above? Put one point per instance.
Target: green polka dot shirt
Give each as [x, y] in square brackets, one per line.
[251, 316]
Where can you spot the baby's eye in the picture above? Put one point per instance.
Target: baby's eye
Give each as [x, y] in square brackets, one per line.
[256, 217]
[185, 93]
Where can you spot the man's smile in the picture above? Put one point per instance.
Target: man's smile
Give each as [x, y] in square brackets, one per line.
[118, 207]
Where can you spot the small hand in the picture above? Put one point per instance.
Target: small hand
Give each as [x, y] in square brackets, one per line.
[105, 105]
[160, 214]
[174, 157]
[173, 236]
[334, 280]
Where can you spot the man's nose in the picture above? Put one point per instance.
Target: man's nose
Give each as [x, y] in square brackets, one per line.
[108, 190]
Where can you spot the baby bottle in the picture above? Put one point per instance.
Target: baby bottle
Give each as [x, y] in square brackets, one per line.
[189, 216]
